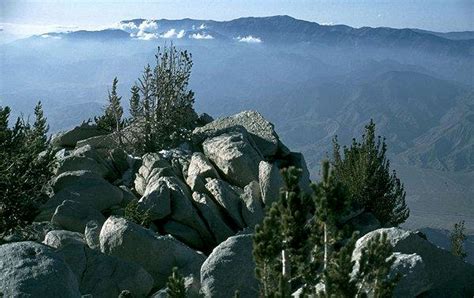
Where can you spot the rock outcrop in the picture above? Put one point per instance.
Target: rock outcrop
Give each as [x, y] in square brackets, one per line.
[200, 197]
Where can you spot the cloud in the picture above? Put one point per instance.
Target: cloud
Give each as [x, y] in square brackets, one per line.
[148, 25]
[327, 24]
[180, 34]
[21, 30]
[203, 26]
[129, 27]
[145, 35]
[249, 39]
[173, 34]
[201, 36]
[50, 36]
[144, 31]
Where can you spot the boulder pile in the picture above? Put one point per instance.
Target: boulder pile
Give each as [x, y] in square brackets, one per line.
[203, 199]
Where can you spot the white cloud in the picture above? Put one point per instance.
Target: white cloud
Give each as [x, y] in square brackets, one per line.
[327, 24]
[50, 36]
[148, 25]
[145, 35]
[201, 36]
[144, 31]
[249, 39]
[169, 34]
[180, 34]
[203, 26]
[172, 33]
[129, 27]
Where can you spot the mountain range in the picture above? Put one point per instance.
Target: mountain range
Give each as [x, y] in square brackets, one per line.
[312, 81]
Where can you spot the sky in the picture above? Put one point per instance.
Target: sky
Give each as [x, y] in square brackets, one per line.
[20, 18]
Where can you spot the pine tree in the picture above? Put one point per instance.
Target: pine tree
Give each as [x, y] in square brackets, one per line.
[135, 108]
[164, 112]
[280, 242]
[112, 121]
[147, 143]
[5, 132]
[365, 170]
[39, 130]
[376, 260]
[458, 236]
[338, 281]
[25, 168]
[330, 262]
[175, 285]
[304, 242]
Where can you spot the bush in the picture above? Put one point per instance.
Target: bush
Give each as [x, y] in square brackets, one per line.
[134, 213]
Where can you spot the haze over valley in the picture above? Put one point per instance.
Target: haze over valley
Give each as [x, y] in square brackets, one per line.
[312, 81]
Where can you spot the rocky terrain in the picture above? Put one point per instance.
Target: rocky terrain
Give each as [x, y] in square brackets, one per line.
[203, 200]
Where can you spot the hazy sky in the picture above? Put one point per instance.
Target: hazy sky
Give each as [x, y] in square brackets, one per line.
[23, 17]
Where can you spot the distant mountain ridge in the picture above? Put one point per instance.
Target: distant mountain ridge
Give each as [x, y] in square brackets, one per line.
[287, 30]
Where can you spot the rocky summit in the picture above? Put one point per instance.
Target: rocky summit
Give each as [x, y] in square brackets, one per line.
[203, 200]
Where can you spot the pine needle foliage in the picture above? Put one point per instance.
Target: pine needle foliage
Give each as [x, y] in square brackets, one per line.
[365, 170]
[134, 213]
[112, 121]
[162, 103]
[458, 236]
[375, 263]
[304, 243]
[26, 166]
[280, 242]
[175, 285]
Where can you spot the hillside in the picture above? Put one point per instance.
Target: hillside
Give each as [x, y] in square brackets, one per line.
[312, 81]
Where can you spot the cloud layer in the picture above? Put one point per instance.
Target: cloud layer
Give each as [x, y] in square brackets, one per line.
[201, 36]
[172, 33]
[249, 39]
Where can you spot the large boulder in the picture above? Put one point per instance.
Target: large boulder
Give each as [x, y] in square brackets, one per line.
[448, 275]
[98, 274]
[157, 254]
[191, 286]
[30, 269]
[228, 198]
[153, 167]
[107, 276]
[270, 180]
[82, 163]
[230, 267]
[108, 141]
[92, 234]
[213, 217]
[74, 216]
[94, 192]
[261, 131]
[415, 278]
[183, 210]
[157, 200]
[57, 238]
[70, 138]
[66, 179]
[234, 156]
[252, 211]
[199, 169]
[184, 234]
